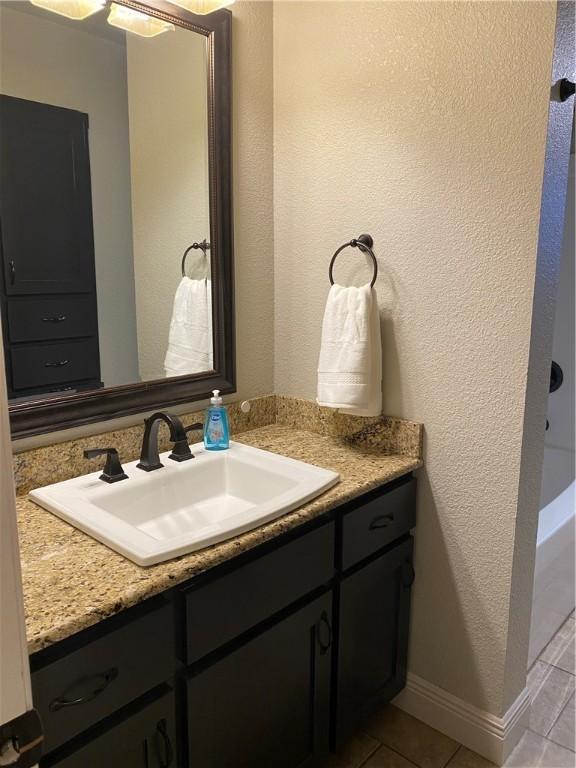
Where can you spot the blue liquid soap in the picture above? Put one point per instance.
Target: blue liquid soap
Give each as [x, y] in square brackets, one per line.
[216, 428]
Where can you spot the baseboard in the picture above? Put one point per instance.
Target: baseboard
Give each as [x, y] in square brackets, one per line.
[492, 737]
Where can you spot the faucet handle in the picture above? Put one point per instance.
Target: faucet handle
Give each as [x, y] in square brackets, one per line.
[181, 450]
[113, 471]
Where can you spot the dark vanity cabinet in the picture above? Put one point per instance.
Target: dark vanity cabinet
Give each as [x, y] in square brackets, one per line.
[49, 314]
[267, 660]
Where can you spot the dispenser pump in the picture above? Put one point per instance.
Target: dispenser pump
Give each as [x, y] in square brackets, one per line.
[216, 399]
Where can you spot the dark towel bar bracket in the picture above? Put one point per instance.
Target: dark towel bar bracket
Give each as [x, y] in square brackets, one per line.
[566, 88]
[203, 246]
[364, 243]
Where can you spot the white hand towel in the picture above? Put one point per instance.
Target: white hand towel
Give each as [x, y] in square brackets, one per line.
[190, 336]
[350, 364]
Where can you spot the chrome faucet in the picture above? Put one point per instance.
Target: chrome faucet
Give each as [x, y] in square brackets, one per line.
[149, 456]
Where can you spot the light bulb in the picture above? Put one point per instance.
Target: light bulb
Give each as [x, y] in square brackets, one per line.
[134, 21]
[72, 9]
[202, 7]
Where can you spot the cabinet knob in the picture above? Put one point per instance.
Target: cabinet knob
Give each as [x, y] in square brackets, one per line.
[163, 745]
[324, 633]
[382, 521]
[408, 575]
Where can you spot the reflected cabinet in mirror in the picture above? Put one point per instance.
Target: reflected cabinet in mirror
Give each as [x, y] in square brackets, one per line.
[115, 208]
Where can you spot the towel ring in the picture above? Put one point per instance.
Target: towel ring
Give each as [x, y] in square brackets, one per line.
[203, 246]
[364, 243]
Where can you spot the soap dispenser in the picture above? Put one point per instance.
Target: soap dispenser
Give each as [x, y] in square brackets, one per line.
[216, 429]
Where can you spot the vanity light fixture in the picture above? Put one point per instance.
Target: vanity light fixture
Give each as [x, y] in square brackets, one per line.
[137, 22]
[72, 9]
[202, 7]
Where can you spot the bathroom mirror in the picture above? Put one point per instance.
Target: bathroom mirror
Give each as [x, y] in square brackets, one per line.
[115, 208]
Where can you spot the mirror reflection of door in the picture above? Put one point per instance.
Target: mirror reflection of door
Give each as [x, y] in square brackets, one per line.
[103, 186]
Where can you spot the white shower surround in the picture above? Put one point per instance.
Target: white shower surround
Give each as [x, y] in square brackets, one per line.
[554, 590]
[554, 574]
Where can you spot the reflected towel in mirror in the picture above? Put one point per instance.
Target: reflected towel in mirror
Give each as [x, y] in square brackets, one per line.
[190, 336]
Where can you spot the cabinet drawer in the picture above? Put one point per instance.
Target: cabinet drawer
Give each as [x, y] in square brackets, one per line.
[144, 739]
[54, 317]
[40, 365]
[377, 523]
[221, 610]
[90, 683]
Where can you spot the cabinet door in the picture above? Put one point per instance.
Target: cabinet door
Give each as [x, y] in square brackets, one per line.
[145, 739]
[267, 703]
[45, 199]
[373, 635]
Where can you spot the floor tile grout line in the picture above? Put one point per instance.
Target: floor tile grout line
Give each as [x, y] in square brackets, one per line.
[460, 746]
[568, 700]
[545, 678]
[408, 760]
[561, 669]
[552, 639]
[557, 743]
[559, 653]
[452, 756]
[371, 755]
[556, 657]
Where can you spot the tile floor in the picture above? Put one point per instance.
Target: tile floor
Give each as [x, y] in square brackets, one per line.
[393, 739]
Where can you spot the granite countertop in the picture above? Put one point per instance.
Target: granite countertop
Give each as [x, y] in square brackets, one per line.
[72, 581]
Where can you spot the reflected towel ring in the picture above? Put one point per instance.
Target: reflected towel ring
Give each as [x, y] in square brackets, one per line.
[203, 246]
[364, 243]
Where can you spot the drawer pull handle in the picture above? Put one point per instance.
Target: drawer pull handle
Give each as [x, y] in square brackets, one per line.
[382, 521]
[163, 745]
[56, 363]
[408, 575]
[324, 633]
[55, 319]
[12, 272]
[102, 681]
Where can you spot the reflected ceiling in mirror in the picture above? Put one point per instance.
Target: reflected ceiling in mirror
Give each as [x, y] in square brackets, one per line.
[104, 183]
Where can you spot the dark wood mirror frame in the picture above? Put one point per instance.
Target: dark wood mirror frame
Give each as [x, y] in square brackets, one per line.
[58, 413]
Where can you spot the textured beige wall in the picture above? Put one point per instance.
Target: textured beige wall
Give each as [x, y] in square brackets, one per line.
[168, 107]
[253, 196]
[45, 58]
[424, 124]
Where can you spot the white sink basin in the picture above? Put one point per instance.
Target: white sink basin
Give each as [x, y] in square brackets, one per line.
[154, 516]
